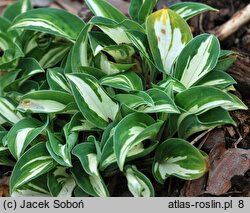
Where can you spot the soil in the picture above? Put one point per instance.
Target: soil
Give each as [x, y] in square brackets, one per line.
[228, 147]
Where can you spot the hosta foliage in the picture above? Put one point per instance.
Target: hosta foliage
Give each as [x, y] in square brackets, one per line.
[81, 102]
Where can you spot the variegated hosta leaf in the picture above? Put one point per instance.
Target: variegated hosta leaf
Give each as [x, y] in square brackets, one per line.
[121, 53]
[78, 192]
[8, 111]
[210, 119]
[79, 55]
[171, 82]
[109, 67]
[60, 151]
[11, 52]
[35, 188]
[205, 98]
[188, 10]
[108, 158]
[99, 40]
[151, 101]
[95, 72]
[139, 185]
[78, 123]
[127, 81]
[33, 163]
[5, 155]
[22, 134]
[140, 9]
[50, 20]
[29, 67]
[56, 80]
[50, 55]
[6, 79]
[168, 34]
[177, 157]
[104, 9]
[226, 59]
[94, 103]
[93, 185]
[116, 30]
[45, 101]
[60, 183]
[5, 25]
[140, 41]
[130, 132]
[19, 7]
[198, 58]
[218, 79]
[86, 152]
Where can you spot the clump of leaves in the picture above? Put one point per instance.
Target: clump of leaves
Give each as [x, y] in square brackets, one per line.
[81, 102]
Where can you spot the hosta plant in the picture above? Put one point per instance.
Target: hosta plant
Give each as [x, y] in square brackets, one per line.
[82, 103]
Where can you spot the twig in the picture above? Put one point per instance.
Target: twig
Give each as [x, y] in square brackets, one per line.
[239, 19]
[239, 139]
[201, 136]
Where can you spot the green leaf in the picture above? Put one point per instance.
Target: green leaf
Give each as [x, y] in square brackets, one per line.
[22, 134]
[29, 67]
[60, 183]
[226, 59]
[93, 185]
[11, 52]
[45, 101]
[56, 80]
[139, 9]
[188, 10]
[8, 111]
[210, 119]
[198, 58]
[168, 34]
[139, 185]
[94, 103]
[151, 101]
[177, 157]
[79, 55]
[50, 20]
[131, 131]
[104, 9]
[86, 153]
[19, 7]
[127, 81]
[33, 163]
[205, 98]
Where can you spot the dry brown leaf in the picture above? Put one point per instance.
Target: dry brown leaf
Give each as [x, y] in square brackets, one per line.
[216, 136]
[4, 187]
[224, 164]
[194, 188]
